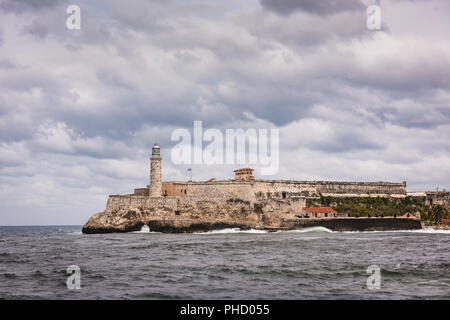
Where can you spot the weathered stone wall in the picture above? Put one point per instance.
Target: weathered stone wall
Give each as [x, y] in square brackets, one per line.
[131, 201]
[116, 202]
[362, 187]
[141, 192]
[441, 198]
[174, 189]
[276, 188]
[222, 190]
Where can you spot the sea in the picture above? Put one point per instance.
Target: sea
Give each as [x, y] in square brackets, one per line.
[59, 262]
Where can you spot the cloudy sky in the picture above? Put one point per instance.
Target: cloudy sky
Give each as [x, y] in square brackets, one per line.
[80, 109]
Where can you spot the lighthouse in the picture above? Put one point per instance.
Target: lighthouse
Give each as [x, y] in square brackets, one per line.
[155, 172]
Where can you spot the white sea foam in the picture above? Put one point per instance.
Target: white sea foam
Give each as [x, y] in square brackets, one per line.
[307, 230]
[75, 232]
[237, 230]
[430, 230]
[144, 229]
[426, 230]
[231, 230]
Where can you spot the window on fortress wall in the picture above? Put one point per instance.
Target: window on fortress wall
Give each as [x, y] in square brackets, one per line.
[177, 213]
[184, 191]
[283, 195]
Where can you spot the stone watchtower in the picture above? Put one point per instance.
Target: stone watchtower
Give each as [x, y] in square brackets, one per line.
[155, 172]
[245, 174]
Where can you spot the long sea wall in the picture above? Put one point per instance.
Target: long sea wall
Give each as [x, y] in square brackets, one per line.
[355, 224]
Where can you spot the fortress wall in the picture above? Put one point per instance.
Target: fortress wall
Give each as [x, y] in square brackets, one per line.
[141, 191]
[275, 188]
[440, 198]
[174, 189]
[362, 187]
[334, 187]
[221, 190]
[131, 201]
[126, 201]
[168, 203]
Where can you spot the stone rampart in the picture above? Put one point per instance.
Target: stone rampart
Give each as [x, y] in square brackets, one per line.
[222, 190]
[116, 202]
[313, 188]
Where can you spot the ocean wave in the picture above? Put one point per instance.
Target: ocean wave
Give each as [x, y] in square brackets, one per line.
[430, 230]
[232, 230]
[238, 230]
[144, 229]
[307, 230]
[426, 230]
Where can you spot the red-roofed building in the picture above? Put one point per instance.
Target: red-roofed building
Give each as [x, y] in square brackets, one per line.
[321, 212]
[408, 215]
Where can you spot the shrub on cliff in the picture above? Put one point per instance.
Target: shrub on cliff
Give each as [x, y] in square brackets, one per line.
[380, 207]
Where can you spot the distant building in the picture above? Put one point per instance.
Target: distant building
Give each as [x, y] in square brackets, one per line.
[245, 174]
[408, 215]
[321, 212]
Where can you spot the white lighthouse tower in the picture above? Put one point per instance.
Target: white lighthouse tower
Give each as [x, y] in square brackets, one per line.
[155, 172]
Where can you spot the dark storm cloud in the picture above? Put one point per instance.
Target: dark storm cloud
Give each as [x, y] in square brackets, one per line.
[321, 7]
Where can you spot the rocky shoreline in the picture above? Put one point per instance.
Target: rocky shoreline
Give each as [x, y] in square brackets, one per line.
[197, 225]
[438, 227]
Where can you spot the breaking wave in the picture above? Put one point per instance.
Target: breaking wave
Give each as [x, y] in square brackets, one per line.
[144, 229]
[426, 230]
[430, 230]
[308, 230]
[232, 230]
[237, 230]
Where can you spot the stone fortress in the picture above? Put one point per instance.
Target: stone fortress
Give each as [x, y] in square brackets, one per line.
[244, 202]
